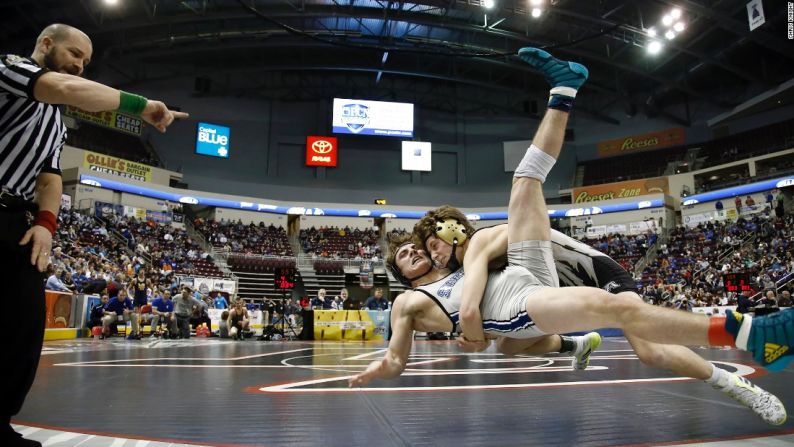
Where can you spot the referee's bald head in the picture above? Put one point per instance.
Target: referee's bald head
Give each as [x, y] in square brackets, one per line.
[63, 48]
[60, 32]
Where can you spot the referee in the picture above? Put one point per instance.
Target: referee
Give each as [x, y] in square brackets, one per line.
[31, 137]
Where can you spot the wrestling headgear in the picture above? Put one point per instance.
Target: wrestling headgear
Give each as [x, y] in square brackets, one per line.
[453, 233]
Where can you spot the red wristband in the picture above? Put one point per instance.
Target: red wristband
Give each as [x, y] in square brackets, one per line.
[718, 336]
[47, 220]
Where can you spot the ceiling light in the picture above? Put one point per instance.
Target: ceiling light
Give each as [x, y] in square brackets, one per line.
[651, 32]
[675, 13]
[678, 27]
[654, 47]
[669, 35]
[488, 4]
[535, 2]
[111, 2]
[536, 12]
[667, 20]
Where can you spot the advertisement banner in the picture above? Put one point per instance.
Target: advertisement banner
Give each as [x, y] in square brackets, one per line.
[597, 231]
[186, 281]
[616, 229]
[112, 120]
[223, 285]
[66, 202]
[117, 166]
[213, 140]
[643, 226]
[619, 190]
[203, 285]
[321, 151]
[105, 210]
[207, 285]
[754, 209]
[694, 220]
[642, 142]
[382, 321]
[714, 310]
[158, 216]
[356, 325]
[58, 308]
[366, 277]
[137, 213]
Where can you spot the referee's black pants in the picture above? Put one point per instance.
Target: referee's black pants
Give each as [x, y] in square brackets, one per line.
[25, 334]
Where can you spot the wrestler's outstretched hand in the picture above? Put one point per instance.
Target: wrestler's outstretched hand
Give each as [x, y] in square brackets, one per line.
[472, 346]
[373, 371]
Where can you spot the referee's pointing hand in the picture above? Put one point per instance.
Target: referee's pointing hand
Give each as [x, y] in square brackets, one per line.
[157, 114]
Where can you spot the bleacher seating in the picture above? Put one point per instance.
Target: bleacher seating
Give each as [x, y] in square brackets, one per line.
[630, 167]
[329, 268]
[625, 249]
[760, 141]
[694, 261]
[240, 238]
[340, 243]
[256, 273]
[169, 248]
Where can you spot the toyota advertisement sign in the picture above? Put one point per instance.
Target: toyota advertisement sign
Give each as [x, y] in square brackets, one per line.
[321, 151]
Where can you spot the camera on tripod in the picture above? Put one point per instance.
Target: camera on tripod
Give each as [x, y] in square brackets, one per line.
[281, 326]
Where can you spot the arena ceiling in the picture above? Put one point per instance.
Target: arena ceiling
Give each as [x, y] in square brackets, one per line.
[452, 55]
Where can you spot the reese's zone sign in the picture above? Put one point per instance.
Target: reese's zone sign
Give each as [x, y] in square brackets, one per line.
[112, 120]
[643, 142]
[117, 166]
[620, 190]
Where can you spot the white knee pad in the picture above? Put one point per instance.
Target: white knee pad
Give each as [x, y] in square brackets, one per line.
[535, 164]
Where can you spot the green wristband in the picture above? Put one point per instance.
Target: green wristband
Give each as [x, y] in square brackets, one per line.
[131, 104]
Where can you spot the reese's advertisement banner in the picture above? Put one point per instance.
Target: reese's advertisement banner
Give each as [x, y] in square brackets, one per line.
[620, 190]
[642, 142]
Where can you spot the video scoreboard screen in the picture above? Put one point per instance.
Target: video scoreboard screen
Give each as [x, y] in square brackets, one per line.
[737, 282]
[284, 278]
[385, 119]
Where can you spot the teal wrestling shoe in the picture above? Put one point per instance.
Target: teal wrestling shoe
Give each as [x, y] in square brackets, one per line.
[768, 338]
[562, 75]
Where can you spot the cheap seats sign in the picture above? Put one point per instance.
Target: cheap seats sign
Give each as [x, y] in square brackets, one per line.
[321, 151]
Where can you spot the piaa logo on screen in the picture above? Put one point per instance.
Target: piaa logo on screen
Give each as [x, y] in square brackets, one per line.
[355, 116]
[322, 146]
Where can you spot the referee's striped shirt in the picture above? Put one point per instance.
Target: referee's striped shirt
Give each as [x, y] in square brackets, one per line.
[31, 132]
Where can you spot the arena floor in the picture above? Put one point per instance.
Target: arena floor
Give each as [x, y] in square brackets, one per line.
[216, 392]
